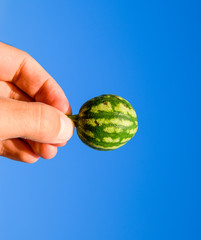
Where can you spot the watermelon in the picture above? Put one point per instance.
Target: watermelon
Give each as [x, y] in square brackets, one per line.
[106, 122]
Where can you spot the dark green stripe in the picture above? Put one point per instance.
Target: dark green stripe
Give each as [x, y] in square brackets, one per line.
[100, 133]
[101, 143]
[113, 99]
[82, 123]
[107, 115]
[86, 141]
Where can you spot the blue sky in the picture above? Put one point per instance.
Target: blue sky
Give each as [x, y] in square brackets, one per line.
[147, 52]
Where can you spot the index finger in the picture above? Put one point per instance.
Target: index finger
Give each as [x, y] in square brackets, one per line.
[21, 69]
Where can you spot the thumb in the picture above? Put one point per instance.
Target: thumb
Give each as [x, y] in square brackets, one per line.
[33, 120]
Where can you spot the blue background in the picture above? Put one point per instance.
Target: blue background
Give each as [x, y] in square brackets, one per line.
[147, 52]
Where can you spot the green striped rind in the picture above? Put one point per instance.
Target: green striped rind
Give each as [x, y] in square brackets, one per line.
[106, 122]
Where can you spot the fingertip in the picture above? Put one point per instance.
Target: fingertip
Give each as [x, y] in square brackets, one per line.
[63, 105]
[69, 109]
[31, 160]
[48, 151]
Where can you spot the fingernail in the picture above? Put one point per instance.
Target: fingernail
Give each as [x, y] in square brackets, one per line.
[66, 128]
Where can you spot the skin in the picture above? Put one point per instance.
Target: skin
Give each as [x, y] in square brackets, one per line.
[31, 106]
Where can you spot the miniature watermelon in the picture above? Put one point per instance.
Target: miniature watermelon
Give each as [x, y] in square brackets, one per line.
[106, 122]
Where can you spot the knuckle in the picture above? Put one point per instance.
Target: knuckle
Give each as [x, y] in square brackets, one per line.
[25, 55]
[47, 120]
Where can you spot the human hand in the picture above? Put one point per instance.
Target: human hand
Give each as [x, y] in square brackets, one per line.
[32, 109]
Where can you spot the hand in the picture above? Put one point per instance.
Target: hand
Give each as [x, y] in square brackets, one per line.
[32, 109]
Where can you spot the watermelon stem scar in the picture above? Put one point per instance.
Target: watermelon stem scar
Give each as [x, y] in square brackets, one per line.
[106, 122]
